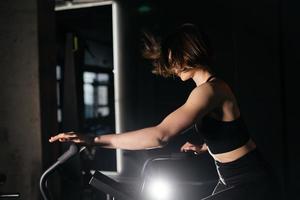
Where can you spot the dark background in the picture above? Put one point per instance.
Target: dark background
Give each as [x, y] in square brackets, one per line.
[256, 46]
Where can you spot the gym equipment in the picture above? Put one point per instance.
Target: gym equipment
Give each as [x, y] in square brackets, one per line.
[162, 177]
[182, 179]
[111, 187]
[72, 151]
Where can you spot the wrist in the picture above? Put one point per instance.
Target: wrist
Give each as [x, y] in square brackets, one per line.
[103, 141]
[90, 140]
[95, 140]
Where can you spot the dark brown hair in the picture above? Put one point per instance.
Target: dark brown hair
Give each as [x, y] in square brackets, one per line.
[186, 48]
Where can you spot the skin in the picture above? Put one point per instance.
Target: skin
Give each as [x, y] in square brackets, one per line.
[214, 98]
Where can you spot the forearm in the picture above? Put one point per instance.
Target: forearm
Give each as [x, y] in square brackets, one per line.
[146, 138]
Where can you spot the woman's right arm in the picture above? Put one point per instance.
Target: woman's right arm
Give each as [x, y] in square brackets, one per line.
[145, 138]
[200, 101]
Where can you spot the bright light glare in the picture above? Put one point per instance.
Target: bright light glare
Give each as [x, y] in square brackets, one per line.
[159, 189]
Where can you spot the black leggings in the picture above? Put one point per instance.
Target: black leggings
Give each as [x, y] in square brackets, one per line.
[246, 178]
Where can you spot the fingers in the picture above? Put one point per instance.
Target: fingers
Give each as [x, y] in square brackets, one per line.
[184, 147]
[63, 137]
[188, 147]
[191, 147]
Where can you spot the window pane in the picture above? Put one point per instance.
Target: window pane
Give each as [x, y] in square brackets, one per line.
[103, 111]
[89, 77]
[102, 78]
[88, 100]
[58, 72]
[88, 94]
[102, 95]
[59, 115]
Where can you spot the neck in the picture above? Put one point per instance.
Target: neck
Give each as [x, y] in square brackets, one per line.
[201, 76]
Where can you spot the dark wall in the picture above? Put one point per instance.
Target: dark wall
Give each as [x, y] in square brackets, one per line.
[290, 76]
[256, 55]
[28, 95]
[20, 139]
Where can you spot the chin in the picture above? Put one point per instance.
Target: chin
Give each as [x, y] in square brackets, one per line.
[184, 78]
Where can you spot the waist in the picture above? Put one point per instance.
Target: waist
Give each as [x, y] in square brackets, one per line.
[235, 154]
[250, 167]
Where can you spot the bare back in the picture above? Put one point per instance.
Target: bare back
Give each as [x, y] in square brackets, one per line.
[227, 110]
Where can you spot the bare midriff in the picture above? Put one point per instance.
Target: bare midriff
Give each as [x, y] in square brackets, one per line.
[234, 154]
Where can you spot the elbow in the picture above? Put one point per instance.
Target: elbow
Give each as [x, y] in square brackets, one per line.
[162, 143]
[163, 137]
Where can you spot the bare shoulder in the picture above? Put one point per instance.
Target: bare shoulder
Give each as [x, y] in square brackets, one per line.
[205, 90]
[219, 88]
[214, 93]
[205, 94]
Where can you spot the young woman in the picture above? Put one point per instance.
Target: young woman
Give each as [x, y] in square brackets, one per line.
[211, 105]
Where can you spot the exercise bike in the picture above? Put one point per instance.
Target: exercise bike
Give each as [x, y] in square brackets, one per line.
[162, 177]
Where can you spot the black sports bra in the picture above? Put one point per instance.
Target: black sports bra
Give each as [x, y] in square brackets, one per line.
[223, 136]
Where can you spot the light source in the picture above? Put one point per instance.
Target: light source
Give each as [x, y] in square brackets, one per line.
[158, 189]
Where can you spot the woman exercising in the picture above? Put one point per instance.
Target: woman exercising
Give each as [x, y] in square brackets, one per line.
[211, 106]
